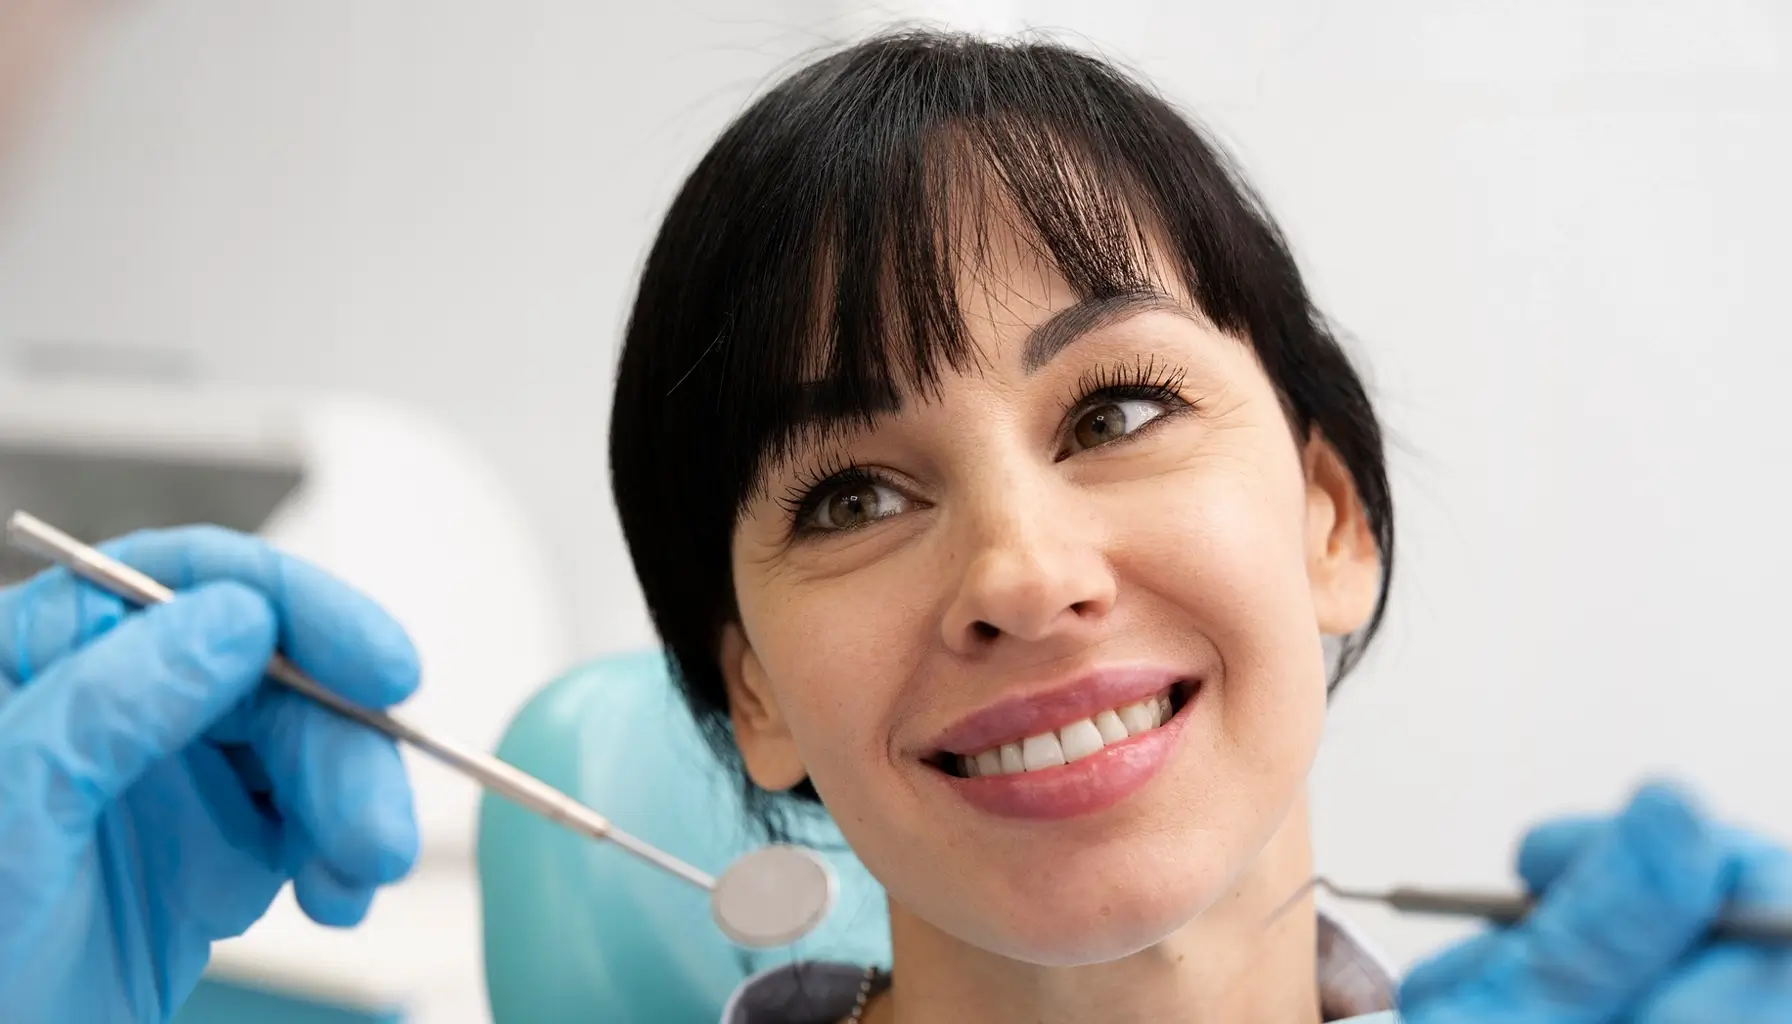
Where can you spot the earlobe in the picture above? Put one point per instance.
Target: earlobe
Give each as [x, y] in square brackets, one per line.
[1343, 561]
[766, 746]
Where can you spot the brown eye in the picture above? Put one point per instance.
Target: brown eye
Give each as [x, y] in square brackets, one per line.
[857, 504]
[1109, 421]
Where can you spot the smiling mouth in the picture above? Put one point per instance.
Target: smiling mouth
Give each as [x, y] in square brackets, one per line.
[1072, 741]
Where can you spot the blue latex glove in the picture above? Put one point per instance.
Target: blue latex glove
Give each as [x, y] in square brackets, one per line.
[154, 797]
[1620, 931]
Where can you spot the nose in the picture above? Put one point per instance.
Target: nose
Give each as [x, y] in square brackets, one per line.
[1034, 574]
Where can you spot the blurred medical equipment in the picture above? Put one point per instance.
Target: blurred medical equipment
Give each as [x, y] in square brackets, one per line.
[770, 897]
[571, 928]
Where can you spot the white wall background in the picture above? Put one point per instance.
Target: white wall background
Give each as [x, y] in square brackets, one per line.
[441, 202]
[1558, 228]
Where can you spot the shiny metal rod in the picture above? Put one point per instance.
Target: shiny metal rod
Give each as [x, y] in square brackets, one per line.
[1760, 927]
[28, 533]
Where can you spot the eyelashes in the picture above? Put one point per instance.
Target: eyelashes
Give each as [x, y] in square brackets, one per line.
[1139, 379]
[1104, 388]
[814, 482]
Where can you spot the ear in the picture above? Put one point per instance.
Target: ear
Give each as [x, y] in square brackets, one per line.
[1343, 562]
[764, 740]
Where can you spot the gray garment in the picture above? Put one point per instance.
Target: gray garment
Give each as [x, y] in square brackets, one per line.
[1353, 982]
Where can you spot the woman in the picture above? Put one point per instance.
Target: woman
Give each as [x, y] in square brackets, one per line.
[991, 480]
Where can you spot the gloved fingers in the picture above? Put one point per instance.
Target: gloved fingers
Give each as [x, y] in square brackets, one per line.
[1549, 849]
[1764, 872]
[1731, 983]
[341, 784]
[1634, 902]
[1442, 974]
[95, 721]
[330, 630]
[246, 767]
[55, 612]
[327, 899]
[48, 616]
[237, 816]
[213, 858]
[1634, 896]
[333, 632]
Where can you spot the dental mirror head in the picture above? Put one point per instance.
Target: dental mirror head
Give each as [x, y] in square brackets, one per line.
[773, 896]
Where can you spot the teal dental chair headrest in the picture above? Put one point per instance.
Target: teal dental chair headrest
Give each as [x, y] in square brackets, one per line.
[577, 930]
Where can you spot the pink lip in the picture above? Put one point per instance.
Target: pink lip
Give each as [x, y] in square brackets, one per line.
[1086, 786]
[1013, 719]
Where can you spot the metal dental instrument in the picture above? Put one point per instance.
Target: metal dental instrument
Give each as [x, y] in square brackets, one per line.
[769, 897]
[1752, 926]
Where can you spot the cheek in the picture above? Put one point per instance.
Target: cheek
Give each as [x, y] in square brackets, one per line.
[1219, 548]
[838, 653]
[1225, 534]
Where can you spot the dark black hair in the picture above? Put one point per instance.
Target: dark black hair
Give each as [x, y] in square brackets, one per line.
[813, 244]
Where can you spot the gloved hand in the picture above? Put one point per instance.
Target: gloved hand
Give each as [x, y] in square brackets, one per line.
[155, 797]
[1620, 931]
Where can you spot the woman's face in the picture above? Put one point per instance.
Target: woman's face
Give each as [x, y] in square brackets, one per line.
[1047, 642]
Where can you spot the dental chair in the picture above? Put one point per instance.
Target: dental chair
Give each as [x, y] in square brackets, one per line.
[577, 930]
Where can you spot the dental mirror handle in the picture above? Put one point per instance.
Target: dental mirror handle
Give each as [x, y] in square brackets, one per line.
[1498, 908]
[1736, 925]
[29, 533]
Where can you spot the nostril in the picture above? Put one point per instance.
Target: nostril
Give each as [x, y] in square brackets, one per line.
[984, 630]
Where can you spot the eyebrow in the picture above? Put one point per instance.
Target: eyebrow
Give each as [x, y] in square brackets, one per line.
[823, 413]
[1091, 314]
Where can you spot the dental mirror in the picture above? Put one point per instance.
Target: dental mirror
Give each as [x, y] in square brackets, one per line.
[773, 896]
[769, 897]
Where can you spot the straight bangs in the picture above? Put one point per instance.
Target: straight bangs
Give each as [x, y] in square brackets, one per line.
[882, 317]
[852, 301]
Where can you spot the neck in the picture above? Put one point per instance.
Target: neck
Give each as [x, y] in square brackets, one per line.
[1225, 965]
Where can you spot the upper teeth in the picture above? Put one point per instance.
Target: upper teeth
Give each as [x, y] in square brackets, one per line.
[1072, 742]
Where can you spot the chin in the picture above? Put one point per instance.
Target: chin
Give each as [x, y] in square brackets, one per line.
[1099, 945]
[1060, 919]
[1078, 937]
